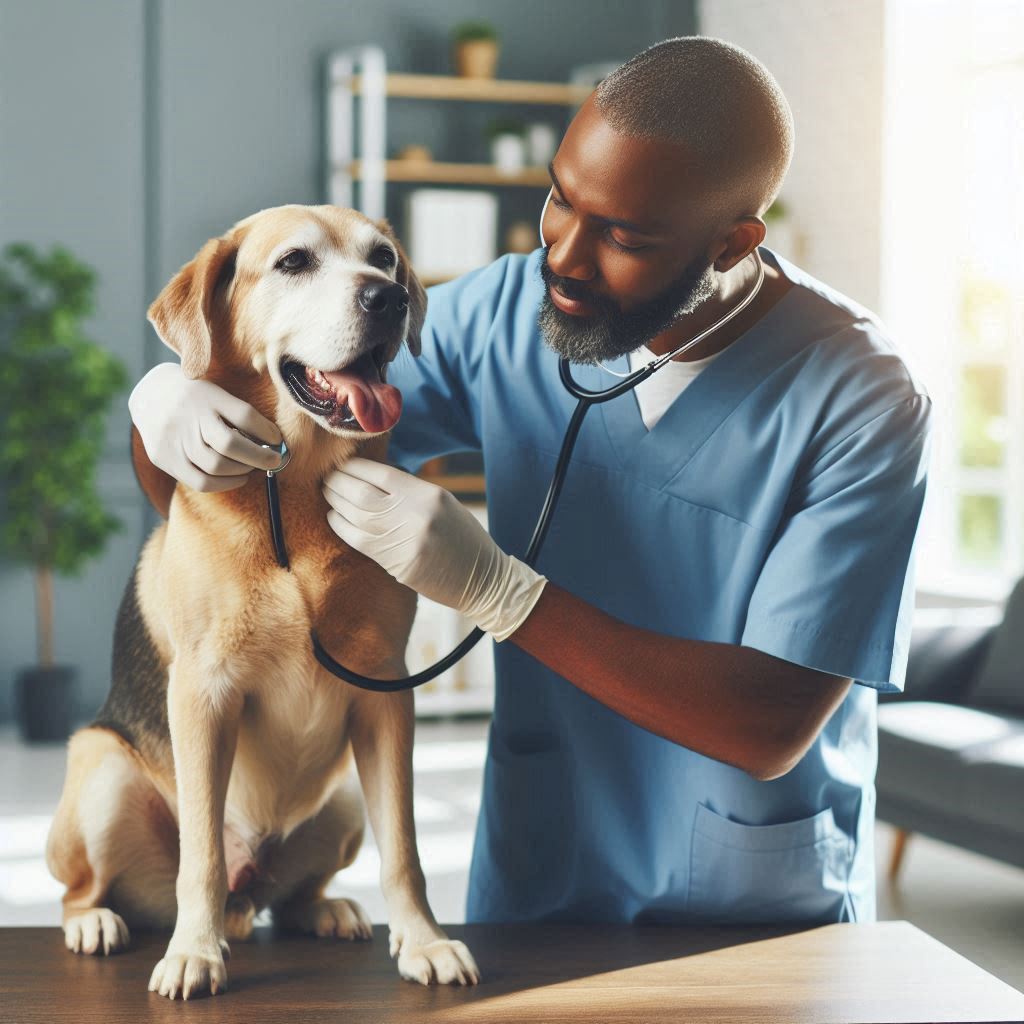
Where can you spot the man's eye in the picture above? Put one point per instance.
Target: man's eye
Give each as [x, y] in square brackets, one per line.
[623, 246]
[297, 259]
[382, 257]
[560, 203]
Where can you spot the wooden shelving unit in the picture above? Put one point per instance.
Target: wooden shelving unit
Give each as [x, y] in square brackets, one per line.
[362, 74]
[435, 172]
[483, 90]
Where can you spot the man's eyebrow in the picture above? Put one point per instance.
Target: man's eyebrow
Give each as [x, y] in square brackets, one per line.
[654, 229]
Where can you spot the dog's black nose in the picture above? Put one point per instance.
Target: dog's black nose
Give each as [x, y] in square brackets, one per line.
[384, 298]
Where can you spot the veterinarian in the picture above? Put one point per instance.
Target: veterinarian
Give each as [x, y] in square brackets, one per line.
[684, 724]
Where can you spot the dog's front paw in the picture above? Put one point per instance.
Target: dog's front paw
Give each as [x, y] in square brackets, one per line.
[96, 930]
[442, 962]
[190, 974]
[343, 919]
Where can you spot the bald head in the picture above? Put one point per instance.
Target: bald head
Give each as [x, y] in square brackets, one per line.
[718, 102]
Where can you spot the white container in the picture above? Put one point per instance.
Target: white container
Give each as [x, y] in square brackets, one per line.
[508, 153]
[541, 143]
[451, 232]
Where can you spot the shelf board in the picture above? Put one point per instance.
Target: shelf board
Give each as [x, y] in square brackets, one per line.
[435, 172]
[486, 90]
[463, 483]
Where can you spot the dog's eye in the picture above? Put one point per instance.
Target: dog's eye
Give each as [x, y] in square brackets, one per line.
[297, 259]
[382, 257]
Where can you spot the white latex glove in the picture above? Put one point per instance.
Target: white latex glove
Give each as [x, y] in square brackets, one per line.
[185, 426]
[426, 539]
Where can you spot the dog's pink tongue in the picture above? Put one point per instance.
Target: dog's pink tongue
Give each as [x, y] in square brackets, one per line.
[376, 405]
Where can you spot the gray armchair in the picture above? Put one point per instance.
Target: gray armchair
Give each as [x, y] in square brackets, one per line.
[951, 747]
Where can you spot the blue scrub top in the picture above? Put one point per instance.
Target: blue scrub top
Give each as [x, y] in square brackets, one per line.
[774, 505]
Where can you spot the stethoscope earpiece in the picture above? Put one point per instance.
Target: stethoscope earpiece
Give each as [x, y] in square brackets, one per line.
[544, 210]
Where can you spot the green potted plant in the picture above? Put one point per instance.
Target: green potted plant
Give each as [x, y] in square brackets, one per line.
[56, 388]
[475, 49]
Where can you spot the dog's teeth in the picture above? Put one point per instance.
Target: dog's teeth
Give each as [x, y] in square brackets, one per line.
[321, 381]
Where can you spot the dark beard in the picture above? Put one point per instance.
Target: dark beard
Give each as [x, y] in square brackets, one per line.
[609, 332]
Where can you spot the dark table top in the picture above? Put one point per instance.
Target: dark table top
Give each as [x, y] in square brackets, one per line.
[886, 971]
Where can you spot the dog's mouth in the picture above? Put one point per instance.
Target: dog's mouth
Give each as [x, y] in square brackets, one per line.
[355, 397]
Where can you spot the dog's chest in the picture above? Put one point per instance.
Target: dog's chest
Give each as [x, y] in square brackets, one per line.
[292, 743]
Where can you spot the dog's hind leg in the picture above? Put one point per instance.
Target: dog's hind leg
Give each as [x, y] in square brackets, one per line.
[112, 835]
[303, 865]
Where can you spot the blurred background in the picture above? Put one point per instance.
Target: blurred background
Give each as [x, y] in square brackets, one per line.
[133, 130]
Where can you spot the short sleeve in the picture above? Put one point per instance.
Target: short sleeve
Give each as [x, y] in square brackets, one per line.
[836, 592]
[441, 387]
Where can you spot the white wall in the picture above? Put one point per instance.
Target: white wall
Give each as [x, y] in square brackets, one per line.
[827, 56]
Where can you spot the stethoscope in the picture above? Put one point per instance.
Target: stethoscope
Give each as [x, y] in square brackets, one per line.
[586, 399]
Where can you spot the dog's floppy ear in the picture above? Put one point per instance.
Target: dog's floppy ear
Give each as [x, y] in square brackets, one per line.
[183, 312]
[405, 275]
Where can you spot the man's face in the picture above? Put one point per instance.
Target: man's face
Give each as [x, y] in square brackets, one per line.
[625, 237]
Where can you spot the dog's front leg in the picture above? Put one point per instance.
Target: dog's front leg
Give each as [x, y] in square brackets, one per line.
[203, 715]
[382, 730]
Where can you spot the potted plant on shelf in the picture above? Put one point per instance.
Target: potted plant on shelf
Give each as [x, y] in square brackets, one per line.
[475, 49]
[56, 387]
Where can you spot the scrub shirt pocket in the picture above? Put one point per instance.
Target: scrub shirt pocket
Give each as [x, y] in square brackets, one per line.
[523, 862]
[793, 871]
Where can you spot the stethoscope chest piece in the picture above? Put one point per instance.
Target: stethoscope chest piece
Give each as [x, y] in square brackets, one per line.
[283, 450]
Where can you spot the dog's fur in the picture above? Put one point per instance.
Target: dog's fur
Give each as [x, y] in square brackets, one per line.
[218, 777]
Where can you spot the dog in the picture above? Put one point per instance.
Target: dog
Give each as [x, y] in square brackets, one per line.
[219, 776]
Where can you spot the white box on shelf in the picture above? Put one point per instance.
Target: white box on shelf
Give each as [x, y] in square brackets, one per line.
[451, 231]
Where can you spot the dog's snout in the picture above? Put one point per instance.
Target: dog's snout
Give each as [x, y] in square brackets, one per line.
[384, 298]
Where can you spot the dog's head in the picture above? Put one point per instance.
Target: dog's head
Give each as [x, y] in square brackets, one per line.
[319, 297]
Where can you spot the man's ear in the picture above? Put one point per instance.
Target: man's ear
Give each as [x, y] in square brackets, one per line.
[182, 313]
[405, 275]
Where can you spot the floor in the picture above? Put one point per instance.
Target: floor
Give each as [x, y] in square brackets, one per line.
[972, 904]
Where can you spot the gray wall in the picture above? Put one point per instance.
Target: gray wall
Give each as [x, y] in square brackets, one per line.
[133, 130]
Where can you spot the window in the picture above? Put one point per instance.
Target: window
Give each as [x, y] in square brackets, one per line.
[953, 272]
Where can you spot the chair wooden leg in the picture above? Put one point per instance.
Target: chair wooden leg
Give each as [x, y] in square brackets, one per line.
[899, 847]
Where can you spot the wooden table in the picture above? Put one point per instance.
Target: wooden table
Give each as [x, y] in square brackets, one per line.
[886, 971]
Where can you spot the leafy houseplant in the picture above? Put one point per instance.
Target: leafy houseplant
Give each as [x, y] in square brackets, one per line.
[475, 49]
[505, 126]
[56, 387]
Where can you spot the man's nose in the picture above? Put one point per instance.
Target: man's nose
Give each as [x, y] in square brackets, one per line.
[384, 299]
[569, 253]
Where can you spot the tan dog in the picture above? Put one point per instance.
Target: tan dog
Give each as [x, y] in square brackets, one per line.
[221, 730]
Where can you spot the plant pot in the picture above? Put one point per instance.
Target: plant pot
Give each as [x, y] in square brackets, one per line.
[508, 153]
[45, 701]
[476, 58]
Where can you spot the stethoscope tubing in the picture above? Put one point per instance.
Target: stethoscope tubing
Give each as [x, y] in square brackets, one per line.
[585, 399]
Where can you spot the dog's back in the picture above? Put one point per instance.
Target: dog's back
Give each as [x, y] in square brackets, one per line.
[136, 706]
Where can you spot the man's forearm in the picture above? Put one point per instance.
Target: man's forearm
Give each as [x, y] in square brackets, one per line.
[730, 703]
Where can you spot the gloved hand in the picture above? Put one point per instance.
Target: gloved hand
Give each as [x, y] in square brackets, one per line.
[427, 540]
[185, 426]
